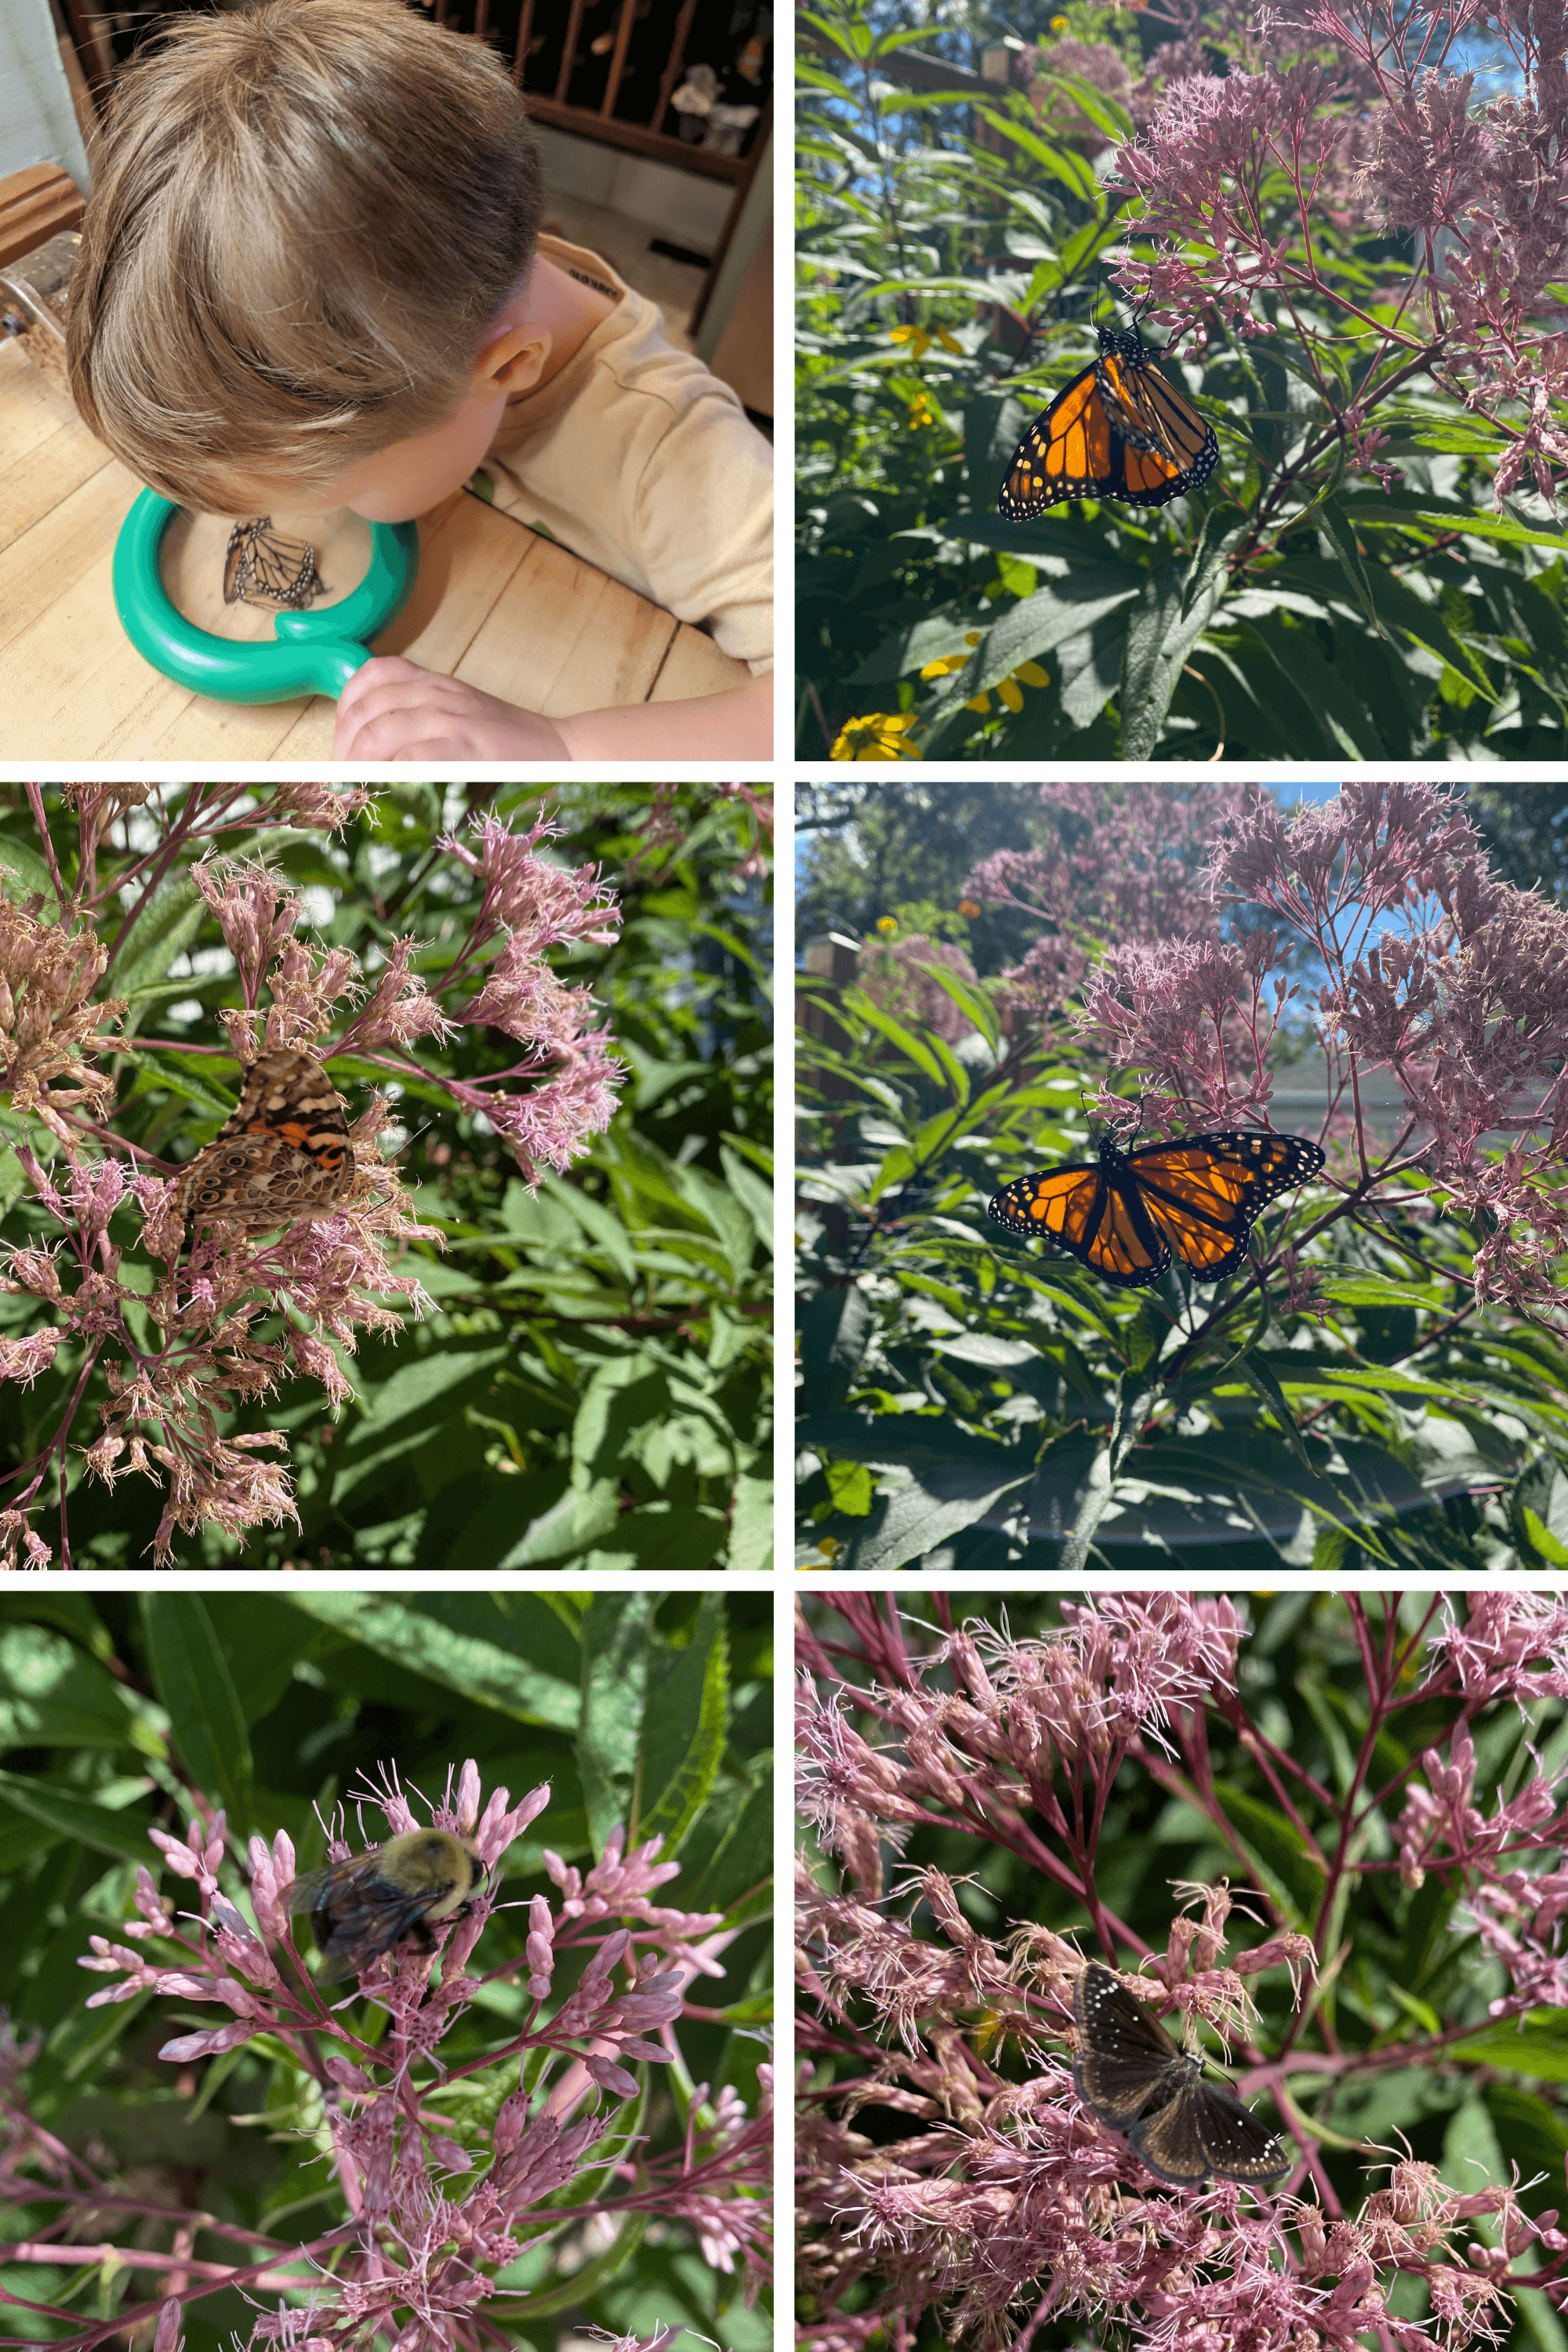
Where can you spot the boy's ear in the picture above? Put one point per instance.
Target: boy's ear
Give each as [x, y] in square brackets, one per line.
[513, 362]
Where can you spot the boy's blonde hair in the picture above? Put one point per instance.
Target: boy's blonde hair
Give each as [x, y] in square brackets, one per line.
[304, 217]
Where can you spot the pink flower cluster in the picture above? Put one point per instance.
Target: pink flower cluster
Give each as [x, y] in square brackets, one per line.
[938, 2179]
[1392, 132]
[430, 2215]
[165, 1370]
[1453, 981]
[1127, 864]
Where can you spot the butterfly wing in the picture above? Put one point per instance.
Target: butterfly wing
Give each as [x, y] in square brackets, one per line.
[1094, 1213]
[1125, 2058]
[1236, 2146]
[285, 1153]
[1066, 453]
[1149, 412]
[264, 567]
[1132, 2075]
[1202, 1194]
[1167, 2142]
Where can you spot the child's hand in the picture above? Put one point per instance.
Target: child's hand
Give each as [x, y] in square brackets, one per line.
[392, 709]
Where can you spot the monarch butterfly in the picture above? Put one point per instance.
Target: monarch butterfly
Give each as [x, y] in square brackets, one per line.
[1117, 431]
[1123, 1215]
[262, 568]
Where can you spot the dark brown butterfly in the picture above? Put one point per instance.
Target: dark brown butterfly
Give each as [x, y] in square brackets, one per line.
[1131, 2074]
[262, 568]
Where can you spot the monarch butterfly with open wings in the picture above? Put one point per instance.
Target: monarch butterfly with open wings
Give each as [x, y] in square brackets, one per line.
[1126, 1214]
[1119, 430]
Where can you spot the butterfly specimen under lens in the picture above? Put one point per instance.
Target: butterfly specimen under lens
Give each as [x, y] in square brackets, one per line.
[262, 568]
[1131, 2074]
[1119, 430]
[1126, 1214]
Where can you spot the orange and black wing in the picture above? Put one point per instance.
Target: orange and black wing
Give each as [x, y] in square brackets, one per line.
[263, 568]
[1064, 454]
[1202, 1194]
[1094, 1213]
[1117, 431]
[1148, 414]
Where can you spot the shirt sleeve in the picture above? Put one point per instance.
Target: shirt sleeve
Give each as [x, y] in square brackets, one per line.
[702, 522]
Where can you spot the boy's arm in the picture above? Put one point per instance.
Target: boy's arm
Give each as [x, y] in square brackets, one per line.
[392, 709]
[735, 725]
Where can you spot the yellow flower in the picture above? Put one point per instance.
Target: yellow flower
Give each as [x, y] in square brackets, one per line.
[921, 413]
[947, 662]
[919, 340]
[880, 735]
[1031, 674]
[886, 923]
[1059, 23]
[1029, 671]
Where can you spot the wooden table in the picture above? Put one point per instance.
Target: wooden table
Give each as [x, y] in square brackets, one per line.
[494, 604]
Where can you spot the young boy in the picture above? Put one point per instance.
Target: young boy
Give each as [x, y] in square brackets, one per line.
[312, 275]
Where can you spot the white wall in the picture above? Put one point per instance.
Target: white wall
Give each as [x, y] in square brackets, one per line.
[37, 123]
[680, 205]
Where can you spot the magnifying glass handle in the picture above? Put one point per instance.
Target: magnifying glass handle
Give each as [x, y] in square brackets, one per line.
[314, 653]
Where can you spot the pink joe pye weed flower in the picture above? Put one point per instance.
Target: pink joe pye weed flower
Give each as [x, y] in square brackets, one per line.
[1395, 131]
[164, 1366]
[1433, 970]
[438, 2201]
[947, 2167]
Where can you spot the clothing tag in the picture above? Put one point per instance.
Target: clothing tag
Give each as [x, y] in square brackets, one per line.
[611, 293]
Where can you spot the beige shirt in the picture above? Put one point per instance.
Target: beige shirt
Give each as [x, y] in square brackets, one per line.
[640, 461]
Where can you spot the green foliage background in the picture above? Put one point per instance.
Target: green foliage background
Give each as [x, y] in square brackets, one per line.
[648, 1709]
[594, 1389]
[1407, 1965]
[1291, 609]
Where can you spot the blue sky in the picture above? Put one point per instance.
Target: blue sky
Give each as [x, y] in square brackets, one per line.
[1289, 792]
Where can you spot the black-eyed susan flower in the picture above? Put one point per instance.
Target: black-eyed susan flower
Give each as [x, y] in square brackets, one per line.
[880, 735]
[1010, 689]
[921, 339]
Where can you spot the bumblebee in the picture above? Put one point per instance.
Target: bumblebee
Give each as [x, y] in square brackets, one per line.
[392, 1894]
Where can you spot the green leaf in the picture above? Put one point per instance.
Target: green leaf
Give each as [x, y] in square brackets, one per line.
[121, 1835]
[852, 1488]
[12, 1178]
[53, 1696]
[601, 1224]
[615, 1661]
[729, 1851]
[161, 929]
[207, 1723]
[835, 1329]
[484, 1647]
[1279, 1851]
[685, 1726]
[1172, 611]
[752, 1525]
[1469, 519]
[26, 875]
[1535, 2045]
[921, 1516]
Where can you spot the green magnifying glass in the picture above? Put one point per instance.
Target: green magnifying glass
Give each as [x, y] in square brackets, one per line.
[312, 653]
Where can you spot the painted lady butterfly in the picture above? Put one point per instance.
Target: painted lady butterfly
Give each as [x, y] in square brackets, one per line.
[284, 1155]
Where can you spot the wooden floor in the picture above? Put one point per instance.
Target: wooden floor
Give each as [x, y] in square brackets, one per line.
[494, 604]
